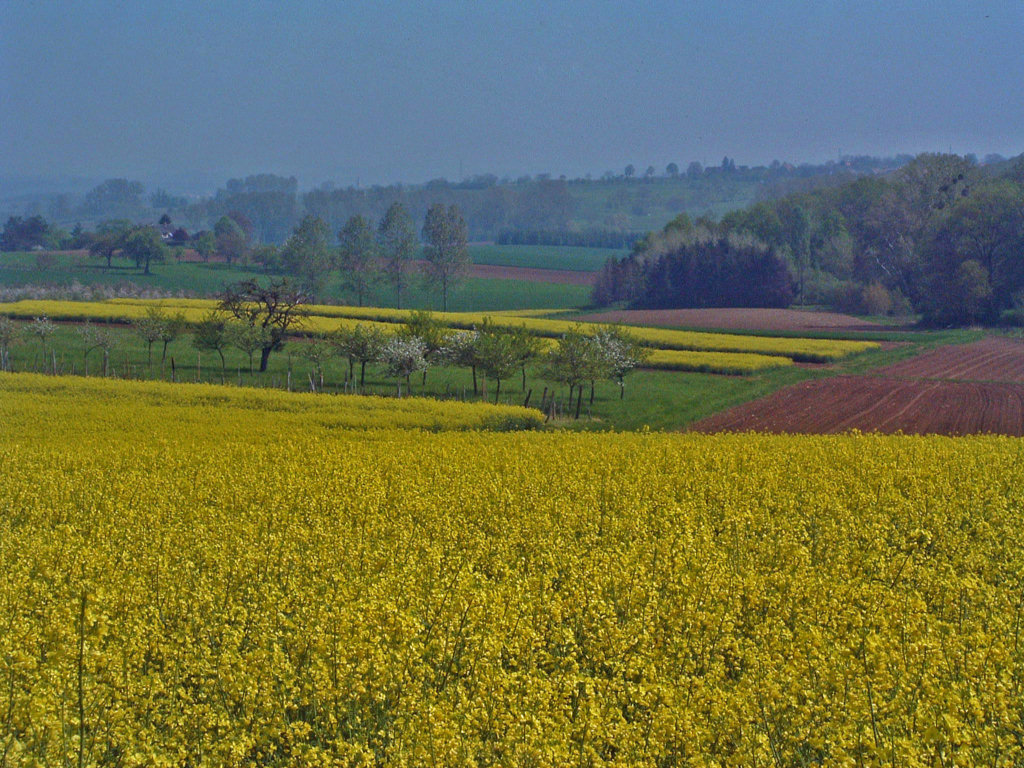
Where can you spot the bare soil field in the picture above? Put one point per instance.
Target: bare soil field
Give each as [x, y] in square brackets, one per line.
[745, 319]
[953, 390]
[991, 359]
[827, 406]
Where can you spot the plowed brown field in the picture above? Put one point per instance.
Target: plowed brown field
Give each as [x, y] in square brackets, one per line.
[954, 390]
[991, 359]
[735, 318]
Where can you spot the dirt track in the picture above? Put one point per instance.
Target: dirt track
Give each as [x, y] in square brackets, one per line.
[735, 319]
[954, 390]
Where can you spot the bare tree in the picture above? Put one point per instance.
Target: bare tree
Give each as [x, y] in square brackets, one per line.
[274, 309]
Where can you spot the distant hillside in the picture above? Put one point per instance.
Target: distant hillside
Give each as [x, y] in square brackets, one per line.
[941, 237]
[622, 205]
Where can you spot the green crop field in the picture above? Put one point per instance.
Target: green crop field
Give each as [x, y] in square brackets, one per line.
[544, 256]
[474, 294]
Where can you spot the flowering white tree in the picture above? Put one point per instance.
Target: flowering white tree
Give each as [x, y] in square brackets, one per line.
[460, 350]
[620, 352]
[95, 337]
[402, 356]
[42, 328]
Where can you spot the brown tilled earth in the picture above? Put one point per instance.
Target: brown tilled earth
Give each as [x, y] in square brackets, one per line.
[735, 319]
[955, 390]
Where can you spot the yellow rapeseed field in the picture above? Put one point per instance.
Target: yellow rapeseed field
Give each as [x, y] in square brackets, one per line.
[191, 579]
[324, 318]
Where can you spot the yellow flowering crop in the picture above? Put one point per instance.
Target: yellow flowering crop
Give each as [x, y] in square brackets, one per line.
[188, 579]
[712, 362]
[322, 317]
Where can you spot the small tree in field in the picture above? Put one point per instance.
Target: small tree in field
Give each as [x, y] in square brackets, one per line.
[446, 254]
[360, 344]
[211, 335]
[396, 237]
[149, 328]
[96, 338]
[8, 337]
[249, 339]
[461, 352]
[496, 353]
[574, 361]
[431, 331]
[170, 329]
[144, 245]
[526, 348]
[357, 256]
[274, 309]
[402, 356]
[620, 352]
[317, 351]
[42, 328]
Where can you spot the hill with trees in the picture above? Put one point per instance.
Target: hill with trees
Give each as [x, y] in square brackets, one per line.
[612, 210]
[942, 236]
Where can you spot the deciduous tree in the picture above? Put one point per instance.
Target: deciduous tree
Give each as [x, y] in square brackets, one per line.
[143, 245]
[396, 237]
[307, 253]
[231, 241]
[274, 309]
[149, 328]
[447, 252]
[211, 335]
[360, 344]
[357, 256]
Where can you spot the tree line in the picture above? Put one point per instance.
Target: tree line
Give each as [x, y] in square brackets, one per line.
[258, 320]
[539, 203]
[363, 253]
[941, 236]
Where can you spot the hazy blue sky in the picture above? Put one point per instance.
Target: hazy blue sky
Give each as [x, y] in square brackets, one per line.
[402, 91]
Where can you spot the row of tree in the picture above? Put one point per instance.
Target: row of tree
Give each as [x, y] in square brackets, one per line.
[541, 202]
[367, 255]
[490, 352]
[364, 254]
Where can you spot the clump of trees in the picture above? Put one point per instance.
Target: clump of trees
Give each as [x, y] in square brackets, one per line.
[24, 234]
[697, 269]
[368, 255]
[579, 359]
[941, 236]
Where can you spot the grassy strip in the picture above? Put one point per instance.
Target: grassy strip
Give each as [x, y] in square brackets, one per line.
[799, 350]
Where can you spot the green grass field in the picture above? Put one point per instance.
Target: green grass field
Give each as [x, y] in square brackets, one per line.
[478, 294]
[204, 280]
[660, 400]
[544, 256]
[656, 399]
